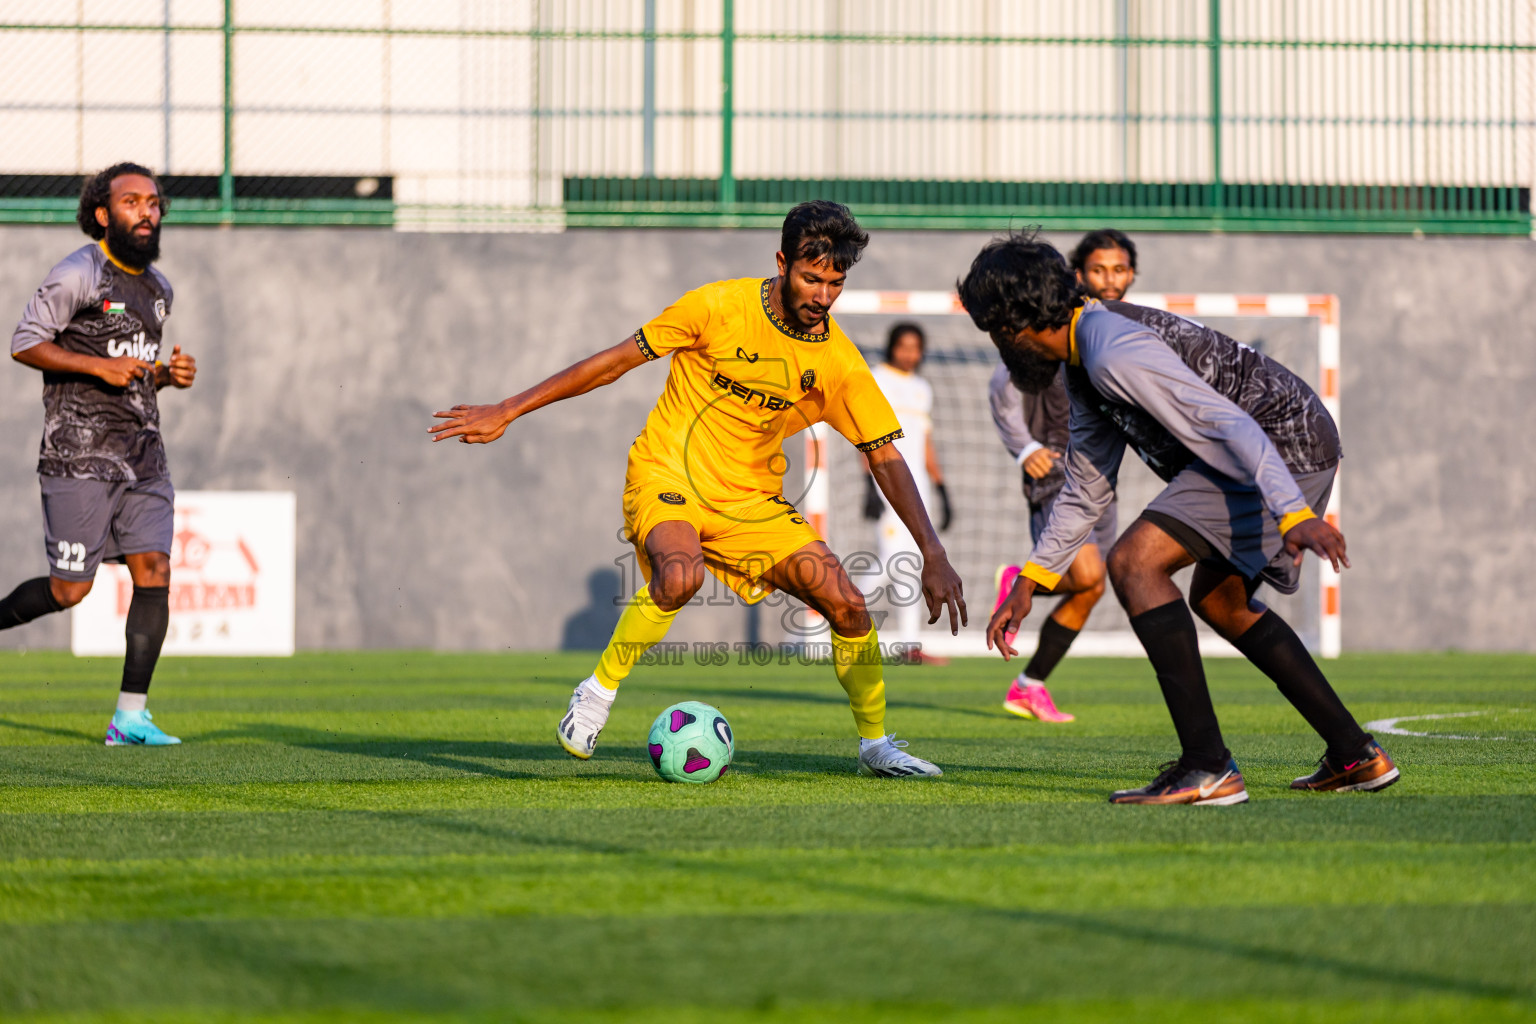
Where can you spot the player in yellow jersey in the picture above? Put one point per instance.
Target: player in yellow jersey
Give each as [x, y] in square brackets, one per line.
[753, 361]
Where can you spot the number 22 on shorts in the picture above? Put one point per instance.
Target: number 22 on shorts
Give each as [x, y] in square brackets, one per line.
[71, 557]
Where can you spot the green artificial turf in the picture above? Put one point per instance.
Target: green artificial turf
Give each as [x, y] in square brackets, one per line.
[384, 837]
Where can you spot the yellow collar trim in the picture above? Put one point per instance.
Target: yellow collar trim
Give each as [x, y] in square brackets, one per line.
[119, 264]
[1072, 355]
[783, 327]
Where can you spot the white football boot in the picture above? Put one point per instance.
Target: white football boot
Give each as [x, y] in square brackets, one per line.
[584, 718]
[887, 758]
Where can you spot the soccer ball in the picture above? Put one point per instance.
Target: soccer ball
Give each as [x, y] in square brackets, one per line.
[691, 742]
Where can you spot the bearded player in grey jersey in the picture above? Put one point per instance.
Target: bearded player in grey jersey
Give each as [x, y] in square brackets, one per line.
[94, 330]
[1249, 454]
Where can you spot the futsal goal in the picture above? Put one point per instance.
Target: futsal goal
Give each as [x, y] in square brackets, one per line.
[991, 521]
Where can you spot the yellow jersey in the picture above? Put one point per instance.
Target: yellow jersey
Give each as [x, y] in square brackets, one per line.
[741, 381]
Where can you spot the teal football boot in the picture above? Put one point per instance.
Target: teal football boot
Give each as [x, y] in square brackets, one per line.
[137, 729]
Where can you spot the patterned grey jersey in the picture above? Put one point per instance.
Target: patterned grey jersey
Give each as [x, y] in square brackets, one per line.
[1285, 408]
[1178, 392]
[91, 430]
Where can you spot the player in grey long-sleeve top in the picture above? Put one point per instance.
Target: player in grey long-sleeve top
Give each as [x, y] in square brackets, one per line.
[1249, 454]
[94, 330]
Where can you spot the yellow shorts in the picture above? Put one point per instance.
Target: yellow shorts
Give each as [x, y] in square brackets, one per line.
[741, 539]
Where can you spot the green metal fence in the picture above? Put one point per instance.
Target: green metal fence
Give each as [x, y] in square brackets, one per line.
[1375, 115]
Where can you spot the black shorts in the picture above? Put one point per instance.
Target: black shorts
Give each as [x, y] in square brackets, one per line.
[1224, 524]
[87, 522]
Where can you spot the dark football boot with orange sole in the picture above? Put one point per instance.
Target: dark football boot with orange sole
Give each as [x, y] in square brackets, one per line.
[1178, 783]
[1369, 770]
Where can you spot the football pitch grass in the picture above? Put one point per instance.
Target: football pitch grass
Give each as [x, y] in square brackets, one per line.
[396, 836]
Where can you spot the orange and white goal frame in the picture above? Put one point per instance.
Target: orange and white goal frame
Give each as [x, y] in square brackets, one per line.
[1323, 308]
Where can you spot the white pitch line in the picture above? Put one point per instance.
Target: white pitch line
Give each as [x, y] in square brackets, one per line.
[1389, 725]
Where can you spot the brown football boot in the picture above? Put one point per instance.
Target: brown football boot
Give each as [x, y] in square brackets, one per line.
[1369, 771]
[1178, 783]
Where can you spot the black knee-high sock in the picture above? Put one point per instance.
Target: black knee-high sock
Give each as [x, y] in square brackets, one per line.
[1054, 641]
[149, 613]
[1168, 634]
[1275, 649]
[32, 600]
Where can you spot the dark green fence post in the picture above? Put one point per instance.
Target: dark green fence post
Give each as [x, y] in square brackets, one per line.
[727, 104]
[227, 175]
[1217, 192]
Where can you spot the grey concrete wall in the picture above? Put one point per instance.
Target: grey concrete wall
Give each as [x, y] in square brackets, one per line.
[323, 353]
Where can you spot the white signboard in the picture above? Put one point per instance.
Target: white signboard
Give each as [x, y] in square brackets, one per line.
[232, 569]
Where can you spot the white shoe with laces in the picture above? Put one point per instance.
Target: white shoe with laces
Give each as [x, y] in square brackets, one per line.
[887, 758]
[584, 718]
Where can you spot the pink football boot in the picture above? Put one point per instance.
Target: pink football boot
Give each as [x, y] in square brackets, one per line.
[1033, 700]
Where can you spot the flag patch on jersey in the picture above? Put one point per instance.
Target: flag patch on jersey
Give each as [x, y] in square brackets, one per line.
[109, 307]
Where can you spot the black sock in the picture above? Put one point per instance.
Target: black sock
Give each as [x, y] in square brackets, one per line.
[1275, 649]
[1054, 641]
[149, 613]
[1168, 634]
[32, 600]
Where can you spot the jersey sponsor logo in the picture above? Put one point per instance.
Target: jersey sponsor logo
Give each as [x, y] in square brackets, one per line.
[807, 380]
[136, 347]
[789, 508]
[111, 308]
[672, 498]
[747, 395]
[160, 311]
[741, 354]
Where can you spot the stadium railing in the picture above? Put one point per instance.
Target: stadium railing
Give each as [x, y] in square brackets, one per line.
[1305, 115]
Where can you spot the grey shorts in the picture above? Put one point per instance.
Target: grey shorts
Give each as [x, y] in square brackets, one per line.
[87, 522]
[1104, 530]
[1225, 525]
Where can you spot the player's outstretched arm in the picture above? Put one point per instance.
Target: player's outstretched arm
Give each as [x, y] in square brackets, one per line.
[52, 358]
[941, 584]
[1009, 616]
[482, 424]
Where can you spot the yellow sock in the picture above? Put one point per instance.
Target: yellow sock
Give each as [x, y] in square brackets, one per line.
[640, 628]
[857, 663]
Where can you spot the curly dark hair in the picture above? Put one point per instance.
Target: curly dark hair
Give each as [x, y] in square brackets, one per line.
[822, 229]
[1104, 238]
[1019, 281]
[98, 192]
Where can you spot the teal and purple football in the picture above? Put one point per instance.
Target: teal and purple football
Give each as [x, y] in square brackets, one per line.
[691, 742]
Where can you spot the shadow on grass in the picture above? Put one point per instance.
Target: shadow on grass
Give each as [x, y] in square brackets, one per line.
[49, 730]
[1165, 937]
[470, 757]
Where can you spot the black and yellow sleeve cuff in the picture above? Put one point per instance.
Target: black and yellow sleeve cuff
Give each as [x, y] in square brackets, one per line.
[645, 346]
[879, 442]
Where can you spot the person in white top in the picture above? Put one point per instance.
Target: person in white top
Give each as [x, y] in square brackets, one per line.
[912, 399]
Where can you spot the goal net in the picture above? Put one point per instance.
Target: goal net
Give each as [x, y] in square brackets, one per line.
[991, 518]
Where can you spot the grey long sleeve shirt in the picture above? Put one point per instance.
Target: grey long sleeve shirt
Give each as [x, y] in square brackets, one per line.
[1177, 392]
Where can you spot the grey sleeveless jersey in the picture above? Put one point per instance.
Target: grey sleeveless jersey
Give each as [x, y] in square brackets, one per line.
[91, 430]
